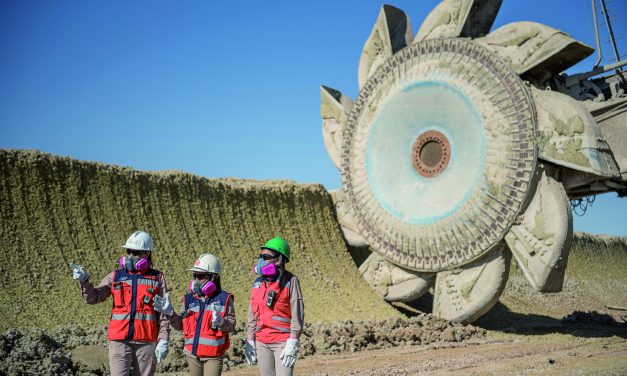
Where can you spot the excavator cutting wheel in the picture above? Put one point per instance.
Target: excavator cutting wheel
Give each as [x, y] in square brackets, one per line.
[463, 148]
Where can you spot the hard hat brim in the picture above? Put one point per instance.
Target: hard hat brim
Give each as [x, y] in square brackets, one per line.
[195, 269]
[274, 250]
[134, 248]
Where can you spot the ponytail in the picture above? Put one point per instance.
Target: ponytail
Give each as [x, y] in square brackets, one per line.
[284, 275]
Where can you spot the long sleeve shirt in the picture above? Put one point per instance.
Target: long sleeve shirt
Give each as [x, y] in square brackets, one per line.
[100, 293]
[297, 309]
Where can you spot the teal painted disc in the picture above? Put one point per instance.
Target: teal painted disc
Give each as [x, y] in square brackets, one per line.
[438, 154]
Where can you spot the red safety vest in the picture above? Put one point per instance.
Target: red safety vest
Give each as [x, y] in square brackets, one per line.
[273, 323]
[132, 315]
[200, 339]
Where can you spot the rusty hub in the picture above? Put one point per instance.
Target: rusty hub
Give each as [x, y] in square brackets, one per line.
[430, 153]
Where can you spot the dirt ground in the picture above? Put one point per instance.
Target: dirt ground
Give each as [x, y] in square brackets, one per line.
[582, 343]
[550, 354]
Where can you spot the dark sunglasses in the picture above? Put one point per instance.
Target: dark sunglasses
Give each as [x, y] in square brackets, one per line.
[134, 252]
[201, 275]
[267, 257]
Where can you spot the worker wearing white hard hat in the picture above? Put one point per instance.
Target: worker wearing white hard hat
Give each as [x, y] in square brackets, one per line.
[138, 335]
[208, 316]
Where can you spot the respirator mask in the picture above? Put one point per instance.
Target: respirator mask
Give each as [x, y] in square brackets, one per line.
[133, 264]
[266, 269]
[202, 288]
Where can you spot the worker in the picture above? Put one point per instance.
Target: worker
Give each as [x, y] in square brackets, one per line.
[275, 314]
[138, 336]
[208, 316]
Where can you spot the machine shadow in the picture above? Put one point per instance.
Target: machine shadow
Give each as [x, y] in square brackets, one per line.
[501, 318]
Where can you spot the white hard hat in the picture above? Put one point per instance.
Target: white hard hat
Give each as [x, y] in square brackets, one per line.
[207, 263]
[139, 241]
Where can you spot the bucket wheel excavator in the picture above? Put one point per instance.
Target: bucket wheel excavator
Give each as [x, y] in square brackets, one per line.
[465, 147]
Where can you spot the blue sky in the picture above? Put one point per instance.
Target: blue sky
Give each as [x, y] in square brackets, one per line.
[216, 89]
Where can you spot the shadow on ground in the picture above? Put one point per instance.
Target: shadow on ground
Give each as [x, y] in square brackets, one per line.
[501, 318]
[578, 323]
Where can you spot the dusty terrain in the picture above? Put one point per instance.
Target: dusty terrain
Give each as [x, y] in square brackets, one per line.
[581, 349]
[563, 356]
[579, 344]
[584, 343]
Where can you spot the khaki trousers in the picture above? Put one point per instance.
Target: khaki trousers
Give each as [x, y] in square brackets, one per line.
[205, 367]
[126, 354]
[269, 359]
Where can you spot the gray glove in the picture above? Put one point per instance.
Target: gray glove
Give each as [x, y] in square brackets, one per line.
[216, 319]
[250, 353]
[288, 355]
[161, 351]
[79, 273]
[163, 305]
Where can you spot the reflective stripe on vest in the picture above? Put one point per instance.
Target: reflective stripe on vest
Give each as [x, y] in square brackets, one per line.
[211, 307]
[200, 339]
[285, 330]
[138, 316]
[206, 341]
[132, 315]
[139, 282]
[282, 319]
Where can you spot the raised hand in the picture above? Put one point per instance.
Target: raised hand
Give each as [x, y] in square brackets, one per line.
[163, 305]
[79, 273]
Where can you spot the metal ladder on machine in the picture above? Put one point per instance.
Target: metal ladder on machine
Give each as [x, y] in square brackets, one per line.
[612, 39]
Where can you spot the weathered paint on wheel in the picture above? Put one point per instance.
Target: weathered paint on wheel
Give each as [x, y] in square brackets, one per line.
[466, 93]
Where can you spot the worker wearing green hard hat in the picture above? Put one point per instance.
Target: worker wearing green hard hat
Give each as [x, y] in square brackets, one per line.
[278, 245]
[276, 312]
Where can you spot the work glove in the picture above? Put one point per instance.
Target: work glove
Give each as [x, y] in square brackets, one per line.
[79, 273]
[216, 319]
[288, 355]
[163, 305]
[161, 351]
[250, 352]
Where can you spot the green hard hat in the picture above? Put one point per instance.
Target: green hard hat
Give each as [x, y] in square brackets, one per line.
[278, 245]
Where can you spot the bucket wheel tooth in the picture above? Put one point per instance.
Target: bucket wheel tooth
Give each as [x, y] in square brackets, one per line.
[464, 294]
[541, 242]
[568, 135]
[391, 33]
[393, 283]
[459, 18]
[334, 109]
[535, 51]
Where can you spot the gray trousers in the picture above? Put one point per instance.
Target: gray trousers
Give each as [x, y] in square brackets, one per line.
[205, 367]
[268, 357]
[125, 354]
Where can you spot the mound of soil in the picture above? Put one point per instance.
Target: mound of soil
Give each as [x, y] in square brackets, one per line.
[33, 352]
[58, 210]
